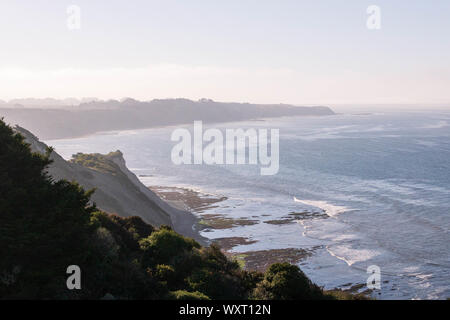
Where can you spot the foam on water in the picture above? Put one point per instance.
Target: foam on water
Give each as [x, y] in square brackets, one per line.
[328, 208]
[350, 255]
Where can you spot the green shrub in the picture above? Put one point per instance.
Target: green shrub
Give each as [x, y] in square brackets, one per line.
[165, 246]
[185, 295]
[165, 274]
[283, 281]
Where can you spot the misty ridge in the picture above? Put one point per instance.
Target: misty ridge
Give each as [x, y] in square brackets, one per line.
[46, 103]
[56, 119]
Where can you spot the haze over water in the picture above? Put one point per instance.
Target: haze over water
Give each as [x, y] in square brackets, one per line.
[383, 179]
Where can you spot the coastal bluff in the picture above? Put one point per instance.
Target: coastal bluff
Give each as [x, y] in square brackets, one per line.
[117, 189]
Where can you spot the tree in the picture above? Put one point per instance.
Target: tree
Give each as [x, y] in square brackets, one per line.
[283, 281]
[43, 224]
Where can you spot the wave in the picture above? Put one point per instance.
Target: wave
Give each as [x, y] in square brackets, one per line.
[351, 256]
[437, 125]
[329, 209]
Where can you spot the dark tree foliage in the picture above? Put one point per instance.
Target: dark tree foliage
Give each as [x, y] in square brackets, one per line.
[283, 281]
[40, 222]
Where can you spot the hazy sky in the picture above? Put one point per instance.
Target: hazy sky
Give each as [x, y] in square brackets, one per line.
[301, 52]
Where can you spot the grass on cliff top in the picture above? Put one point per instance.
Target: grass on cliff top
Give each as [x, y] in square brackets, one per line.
[97, 161]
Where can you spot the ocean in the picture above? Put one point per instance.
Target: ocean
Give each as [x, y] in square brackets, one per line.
[383, 179]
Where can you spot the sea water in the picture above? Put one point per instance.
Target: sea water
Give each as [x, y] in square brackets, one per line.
[383, 179]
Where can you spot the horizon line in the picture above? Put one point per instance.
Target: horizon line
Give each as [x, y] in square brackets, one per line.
[122, 99]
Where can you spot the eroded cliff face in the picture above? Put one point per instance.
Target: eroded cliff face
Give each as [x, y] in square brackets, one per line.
[117, 189]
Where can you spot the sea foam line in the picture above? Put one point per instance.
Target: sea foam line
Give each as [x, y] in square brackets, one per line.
[329, 209]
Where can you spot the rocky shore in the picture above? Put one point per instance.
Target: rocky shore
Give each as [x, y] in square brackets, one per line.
[202, 205]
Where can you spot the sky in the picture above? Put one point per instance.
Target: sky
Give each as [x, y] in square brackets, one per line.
[298, 52]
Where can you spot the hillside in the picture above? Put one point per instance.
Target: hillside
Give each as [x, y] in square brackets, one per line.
[117, 189]
[96, 116]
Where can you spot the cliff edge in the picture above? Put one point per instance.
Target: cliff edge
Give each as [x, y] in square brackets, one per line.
[117, 189]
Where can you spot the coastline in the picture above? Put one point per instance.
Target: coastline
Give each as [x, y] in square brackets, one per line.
[178, 125]
[183, 220]
[197, 216]
[365, 199]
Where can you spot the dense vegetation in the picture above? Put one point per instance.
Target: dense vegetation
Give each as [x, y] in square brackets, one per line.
[45, 226]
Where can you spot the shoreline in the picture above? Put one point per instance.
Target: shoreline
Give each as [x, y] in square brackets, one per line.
[198, 215]
[193, 220]
[176, 125]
